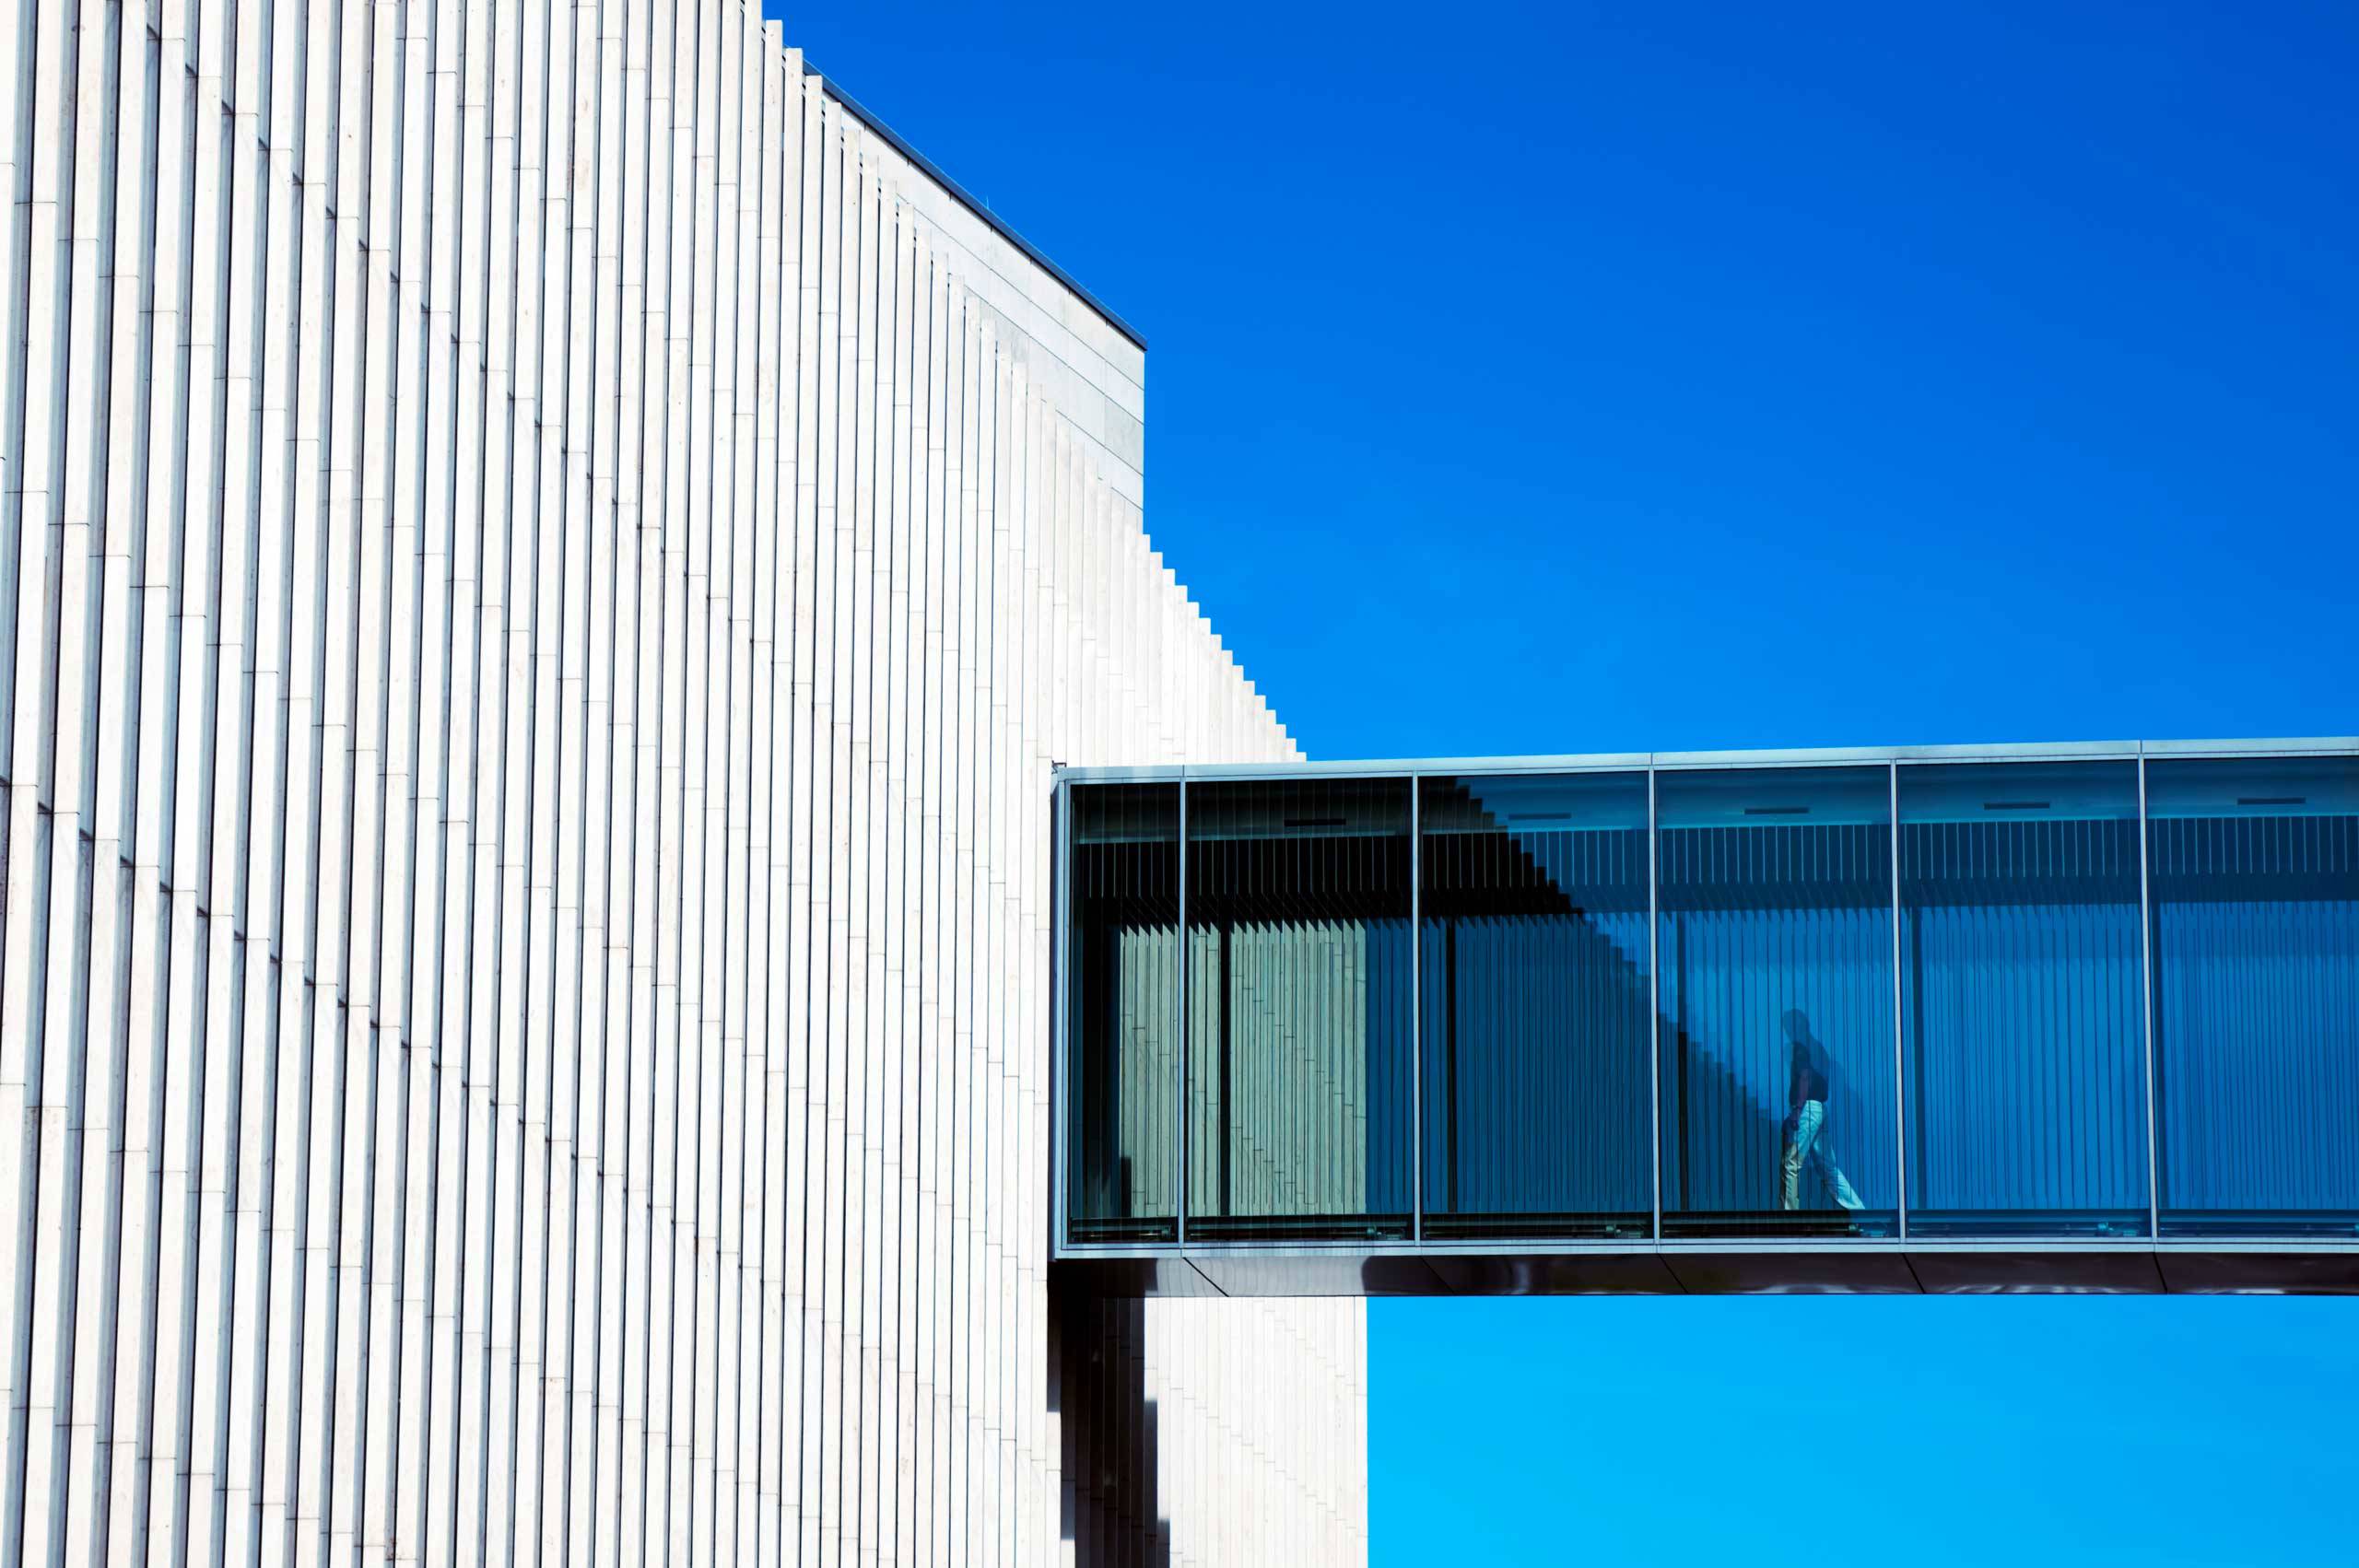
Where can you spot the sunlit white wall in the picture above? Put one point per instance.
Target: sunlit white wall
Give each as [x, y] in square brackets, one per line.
[543, 569]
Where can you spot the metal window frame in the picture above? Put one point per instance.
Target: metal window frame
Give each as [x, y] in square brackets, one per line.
[1417, 1012]
[1179, 1058]
[1060, 1012]
[2146, 992]
[1417, 961]
[1899, 1047]
[1797, 761]
[1280, 773]
[1654, 1004]
[1899, 988]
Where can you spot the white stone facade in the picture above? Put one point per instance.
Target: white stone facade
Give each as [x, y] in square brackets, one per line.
[543, 569]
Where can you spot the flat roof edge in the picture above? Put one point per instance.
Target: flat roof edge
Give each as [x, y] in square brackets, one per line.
[2040, 751]
[973, 203]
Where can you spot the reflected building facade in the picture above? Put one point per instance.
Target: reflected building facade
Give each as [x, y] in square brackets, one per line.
[2067, 1017]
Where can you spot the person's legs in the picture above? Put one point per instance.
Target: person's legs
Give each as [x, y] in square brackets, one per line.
[1831, 1176]
[1799, 1140]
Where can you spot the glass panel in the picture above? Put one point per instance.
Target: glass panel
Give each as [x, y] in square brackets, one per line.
[1298, 1011]
[1535, 1003]
[2254, 875]
[2020, 971]
[1775, 895]
[1123, 1072]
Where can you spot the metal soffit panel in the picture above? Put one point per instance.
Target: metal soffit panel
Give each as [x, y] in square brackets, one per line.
[1710, 1269]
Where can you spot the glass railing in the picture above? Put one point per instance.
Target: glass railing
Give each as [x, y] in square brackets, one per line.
[2064, 999]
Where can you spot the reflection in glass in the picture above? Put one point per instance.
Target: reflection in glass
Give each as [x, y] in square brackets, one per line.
[2255, 881]
[2020, 976]
[1776, 1051]
[1535, 997]
[1123, 968]
[1298, 1009]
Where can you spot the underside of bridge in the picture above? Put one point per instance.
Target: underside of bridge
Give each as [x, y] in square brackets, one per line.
[1875, 1269]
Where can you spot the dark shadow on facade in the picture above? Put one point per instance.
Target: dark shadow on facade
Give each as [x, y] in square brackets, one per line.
[1098, 1389]
[1708, 1107]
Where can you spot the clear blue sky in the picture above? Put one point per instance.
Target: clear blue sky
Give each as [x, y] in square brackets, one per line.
[1567, 378]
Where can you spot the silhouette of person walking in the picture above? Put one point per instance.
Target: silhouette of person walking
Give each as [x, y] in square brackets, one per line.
[1805, 1126]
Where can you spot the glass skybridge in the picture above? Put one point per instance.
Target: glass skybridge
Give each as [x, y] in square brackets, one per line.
[2060, 1017]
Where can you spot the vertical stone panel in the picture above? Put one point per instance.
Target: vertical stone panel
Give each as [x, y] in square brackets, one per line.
[544, 566]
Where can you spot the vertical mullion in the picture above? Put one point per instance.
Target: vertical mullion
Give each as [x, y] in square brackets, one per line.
[1654, 1005]
[1180, 1099]
[1416, 1015]
[1899, 1080]
[2146, 967]
[1062, 1120]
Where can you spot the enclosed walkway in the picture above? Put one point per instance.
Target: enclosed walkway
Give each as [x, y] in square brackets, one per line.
[2053, 1017]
